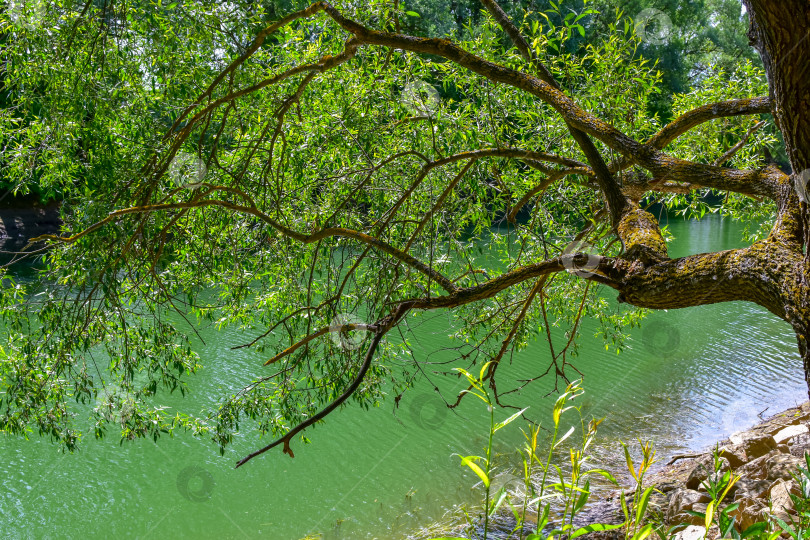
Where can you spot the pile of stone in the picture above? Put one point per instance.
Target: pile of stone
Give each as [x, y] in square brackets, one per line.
[765, 457]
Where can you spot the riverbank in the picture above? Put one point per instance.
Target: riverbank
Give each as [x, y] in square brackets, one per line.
[23, 218]
[765, 457]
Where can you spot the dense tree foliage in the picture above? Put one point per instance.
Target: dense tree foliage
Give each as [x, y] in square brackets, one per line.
[325, 180]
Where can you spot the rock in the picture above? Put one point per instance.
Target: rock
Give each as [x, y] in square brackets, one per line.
[782, 420]
[800, 445]
[784, 448]
[26, 220]
[749, 512]
[739, 437]
[756, 469]
[790, 432]
[686, 519]
[758, 446]
[666, 487]
[692, 532]
[702, 469]
[781, 503]
[751, 488]
[782, 466]
[683, 500]
[734, 453]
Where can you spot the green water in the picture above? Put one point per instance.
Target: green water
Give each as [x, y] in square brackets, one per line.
[688, 376]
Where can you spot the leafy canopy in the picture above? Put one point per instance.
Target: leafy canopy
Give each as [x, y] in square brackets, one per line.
[98, 118]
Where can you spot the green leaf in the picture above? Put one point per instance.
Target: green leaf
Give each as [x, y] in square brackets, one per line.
[727, 524]
[755, 529]
[594, 528]
[543, 521]
[483, 370]
[602, 472]
[709, 514]
[502, 497]
[730, 508]
[625, 510]
[641, 507]
[583, 497]
[785, 527]
[412, 14]
[468, 461]
[561, 439]
[629, 459]
[509, 420]
[645, 531]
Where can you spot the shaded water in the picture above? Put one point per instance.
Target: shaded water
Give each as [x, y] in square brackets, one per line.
[689, 376]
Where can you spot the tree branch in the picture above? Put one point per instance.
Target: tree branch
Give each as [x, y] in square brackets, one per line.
[616, 202]
[400, 255]
[381, 328]
[325, 412]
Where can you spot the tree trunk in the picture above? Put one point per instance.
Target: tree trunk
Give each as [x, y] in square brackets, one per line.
[780, 31]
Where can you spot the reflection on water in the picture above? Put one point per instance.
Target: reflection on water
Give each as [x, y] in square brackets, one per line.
[688, 377]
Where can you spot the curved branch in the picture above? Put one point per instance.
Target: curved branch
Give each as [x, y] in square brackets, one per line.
[515, 153]
[329, 232]
[753, 274]
[439, 203]
[556, 175]
[737, 147]
[383, 327]
[700, 115]
[646, 155]
[348, 327]
[325, 63]
[687, 121]
[326, 410]
[257, 43]
[616, 201]
[603, 273]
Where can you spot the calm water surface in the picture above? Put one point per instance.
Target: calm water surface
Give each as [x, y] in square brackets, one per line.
[687, 376]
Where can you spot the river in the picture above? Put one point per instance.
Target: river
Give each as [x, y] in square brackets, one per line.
[687, 377]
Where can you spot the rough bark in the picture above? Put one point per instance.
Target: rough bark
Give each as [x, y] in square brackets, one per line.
[780, 31]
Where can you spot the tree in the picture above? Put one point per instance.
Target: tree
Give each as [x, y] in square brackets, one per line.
[306, 179]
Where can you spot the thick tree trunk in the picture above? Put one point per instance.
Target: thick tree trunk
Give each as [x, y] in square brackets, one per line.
[804, 350]
[780, 31]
